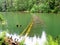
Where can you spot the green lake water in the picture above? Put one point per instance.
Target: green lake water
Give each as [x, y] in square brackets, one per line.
[51, 23]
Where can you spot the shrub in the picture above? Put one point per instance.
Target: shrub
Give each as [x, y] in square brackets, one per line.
[40, 8]
[44, 7]
[35, 8]
[51, 41]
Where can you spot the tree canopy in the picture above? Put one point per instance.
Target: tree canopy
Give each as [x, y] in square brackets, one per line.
[30, 5]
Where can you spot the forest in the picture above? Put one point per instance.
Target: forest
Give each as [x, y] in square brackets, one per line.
[39, 6]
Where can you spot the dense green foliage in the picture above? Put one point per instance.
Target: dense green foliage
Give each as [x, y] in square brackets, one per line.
[2, 40]
[30, 5]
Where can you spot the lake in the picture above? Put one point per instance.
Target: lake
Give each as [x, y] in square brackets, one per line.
[17, 23]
